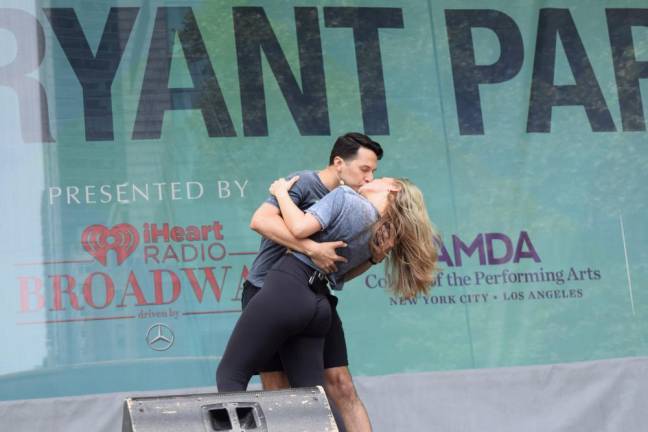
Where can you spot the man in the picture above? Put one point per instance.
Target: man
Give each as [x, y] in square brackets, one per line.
[352, 162]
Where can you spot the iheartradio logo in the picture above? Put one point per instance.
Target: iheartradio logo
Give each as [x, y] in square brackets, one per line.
[98, 240]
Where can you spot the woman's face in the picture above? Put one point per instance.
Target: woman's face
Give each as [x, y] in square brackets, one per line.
[379, 185]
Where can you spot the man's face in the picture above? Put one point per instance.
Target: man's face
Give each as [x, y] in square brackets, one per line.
[358, 171]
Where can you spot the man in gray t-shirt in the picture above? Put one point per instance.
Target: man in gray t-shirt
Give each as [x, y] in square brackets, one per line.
[353, 160]
[306, 192]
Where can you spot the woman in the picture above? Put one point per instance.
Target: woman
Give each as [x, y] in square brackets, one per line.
[291, 314]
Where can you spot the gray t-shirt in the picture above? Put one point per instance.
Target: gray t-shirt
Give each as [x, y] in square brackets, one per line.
[344, 215]
[307, 191]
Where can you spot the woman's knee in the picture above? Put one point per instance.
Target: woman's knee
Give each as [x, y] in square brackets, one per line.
[221, 376]
[229, 379]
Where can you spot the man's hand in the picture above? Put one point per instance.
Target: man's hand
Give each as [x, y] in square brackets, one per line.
[324, 255]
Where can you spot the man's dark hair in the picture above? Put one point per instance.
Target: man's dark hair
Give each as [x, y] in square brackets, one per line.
[348, 144]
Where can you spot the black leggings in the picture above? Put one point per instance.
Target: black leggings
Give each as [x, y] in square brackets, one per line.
[287, 317]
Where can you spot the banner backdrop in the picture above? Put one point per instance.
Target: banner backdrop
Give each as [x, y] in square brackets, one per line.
[139, 137]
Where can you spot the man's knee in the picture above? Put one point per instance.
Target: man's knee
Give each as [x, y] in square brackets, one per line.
[339, 384]
[274, 380]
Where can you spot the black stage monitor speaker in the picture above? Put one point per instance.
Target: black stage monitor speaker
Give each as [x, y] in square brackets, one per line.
[303, 409]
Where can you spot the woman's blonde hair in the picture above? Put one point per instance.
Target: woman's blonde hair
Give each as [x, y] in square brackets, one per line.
[411, 265]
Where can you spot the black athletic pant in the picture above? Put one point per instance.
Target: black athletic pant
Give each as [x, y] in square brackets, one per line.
[286, 316]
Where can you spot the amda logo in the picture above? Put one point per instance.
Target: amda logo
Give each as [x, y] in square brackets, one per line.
[98, 240]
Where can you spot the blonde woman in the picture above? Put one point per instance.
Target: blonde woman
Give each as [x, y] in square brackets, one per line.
[291, 315]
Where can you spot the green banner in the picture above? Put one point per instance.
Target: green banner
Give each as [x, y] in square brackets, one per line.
[139, 138]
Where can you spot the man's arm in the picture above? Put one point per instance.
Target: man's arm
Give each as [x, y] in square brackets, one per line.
[268, 222]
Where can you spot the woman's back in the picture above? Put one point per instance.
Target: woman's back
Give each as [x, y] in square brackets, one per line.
[347, 216]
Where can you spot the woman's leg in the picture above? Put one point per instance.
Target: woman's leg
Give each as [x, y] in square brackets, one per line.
[303, 355]
[302, 360]
[252, 343]
[283, 308]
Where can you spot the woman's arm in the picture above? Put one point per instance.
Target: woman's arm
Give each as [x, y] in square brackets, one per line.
[300, 224]
[267, 221]
[357, 271]
[383, 244]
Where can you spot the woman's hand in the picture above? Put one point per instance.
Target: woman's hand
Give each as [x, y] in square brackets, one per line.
[383, 243]
[300, 224]
[282, 185]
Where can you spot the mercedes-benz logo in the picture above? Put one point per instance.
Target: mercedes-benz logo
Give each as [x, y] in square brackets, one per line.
[159, 337]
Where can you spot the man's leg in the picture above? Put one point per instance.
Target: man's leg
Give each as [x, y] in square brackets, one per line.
[337, 378]
[274, 380]
[339, 387]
